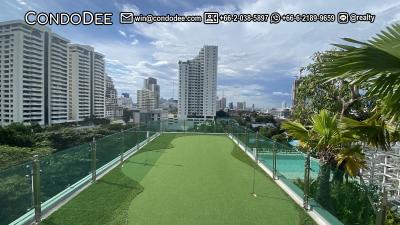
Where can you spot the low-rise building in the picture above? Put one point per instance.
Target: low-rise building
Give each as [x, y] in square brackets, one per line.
[280, 113]
[144, 116]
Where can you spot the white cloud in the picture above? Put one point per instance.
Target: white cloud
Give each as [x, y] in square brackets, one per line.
[135, 42]
[280, 93]
[253, 57]
[21, 2]
[129, 64]
[252, 69]
[254, 52]
[122, 33]
[128, 8]
[112, 61]
[18, 7]
[160, 63]
[225, 70]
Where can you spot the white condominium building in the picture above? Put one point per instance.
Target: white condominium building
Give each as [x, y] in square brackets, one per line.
[99, 86]
[148, 98]
[57, 80]
[198, 85]
[87, 82]
[33, 74]
[112, 108]
[151, 84]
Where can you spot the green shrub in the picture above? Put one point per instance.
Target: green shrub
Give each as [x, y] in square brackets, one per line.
[348, 201]
[14, 155]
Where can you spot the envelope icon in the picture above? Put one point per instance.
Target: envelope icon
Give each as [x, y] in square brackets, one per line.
[126, 17]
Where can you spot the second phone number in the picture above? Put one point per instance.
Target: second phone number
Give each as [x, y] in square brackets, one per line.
[277, 17]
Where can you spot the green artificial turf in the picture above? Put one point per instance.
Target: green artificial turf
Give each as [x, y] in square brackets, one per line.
[183, 179]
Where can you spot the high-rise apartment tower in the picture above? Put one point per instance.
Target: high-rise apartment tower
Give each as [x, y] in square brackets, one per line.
[198, 85]
[87, 82]
[33, 74]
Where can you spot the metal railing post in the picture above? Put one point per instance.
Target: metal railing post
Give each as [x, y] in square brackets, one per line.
[254, 167]
[255, 154]
[184, 126]
[36, 188]
[274, 154]
[382, 209]
[257, 143]
[247, 138]
[93, 162]
[148, 136]
[137, 140]
[123, 146]
[307, 168]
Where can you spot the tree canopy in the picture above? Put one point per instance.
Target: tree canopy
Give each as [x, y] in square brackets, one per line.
[374, 64]
[337, 96]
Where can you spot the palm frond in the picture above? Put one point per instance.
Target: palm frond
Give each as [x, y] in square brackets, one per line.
[352, 159]
[326, 126]
[375, 63]
[296, 130]
[372, 131]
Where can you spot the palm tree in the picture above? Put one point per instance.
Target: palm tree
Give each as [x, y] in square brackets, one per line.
[324, 136]
[375, 64]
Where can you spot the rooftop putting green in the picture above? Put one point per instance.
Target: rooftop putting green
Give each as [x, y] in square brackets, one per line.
[183, 179]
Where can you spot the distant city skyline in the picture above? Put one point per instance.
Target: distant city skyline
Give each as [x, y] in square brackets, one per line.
[257, 62]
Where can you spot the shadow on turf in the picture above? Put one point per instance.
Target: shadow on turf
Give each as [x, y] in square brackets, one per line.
[161, 144]
[104, 202]
[244, 158]
[110, 196]
[117, 184]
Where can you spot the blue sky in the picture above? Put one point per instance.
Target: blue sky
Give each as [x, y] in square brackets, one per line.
[257, 61]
